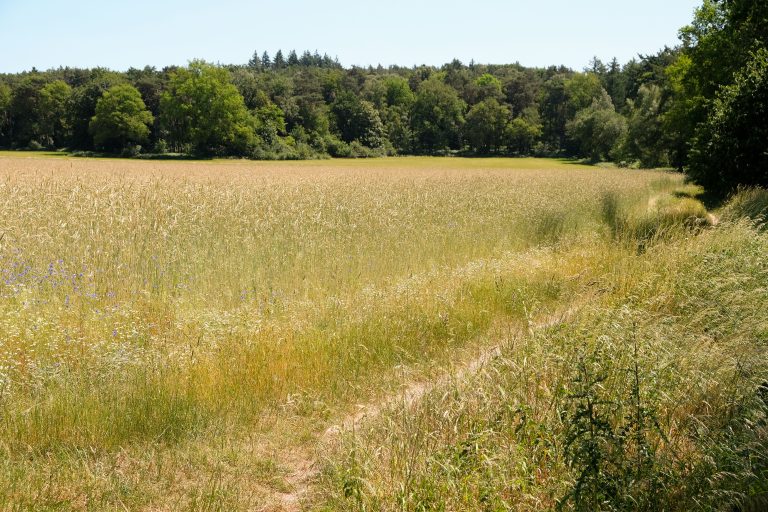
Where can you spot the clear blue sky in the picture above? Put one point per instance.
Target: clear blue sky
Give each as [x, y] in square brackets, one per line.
[125, 33]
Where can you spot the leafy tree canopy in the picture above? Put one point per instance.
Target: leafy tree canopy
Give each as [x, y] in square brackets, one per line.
[597, 129]
[201, 108]
[486, 125]
[438, 116]
[121, 118]
[357, 120]
[645, 130]
[5, 111]
[55, 103]
[488, 87]
[731, 147]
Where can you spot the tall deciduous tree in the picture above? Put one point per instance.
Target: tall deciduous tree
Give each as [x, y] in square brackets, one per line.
[270, 122]
[396, 113]
[121, 119]
[26, 113]
[357, 119]
[397, 92]
[388, 91]
[563, 95]
[580, 90]
[486, 126]
[521, 90]
[553, 110]
[645, 141]
[250, 86]
[597, 129]
[521, 134]
[731, 147]
[54, 103]
[437, 117]
[488, 86]
[716, 45]
[83, 104]
[203, 110]
[5, 113]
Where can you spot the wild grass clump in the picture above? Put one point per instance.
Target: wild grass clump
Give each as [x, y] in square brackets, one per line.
[641, 224]
[72, 414]
[748, 202]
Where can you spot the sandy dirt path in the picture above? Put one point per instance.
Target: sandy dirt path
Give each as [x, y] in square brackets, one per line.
[304, 467]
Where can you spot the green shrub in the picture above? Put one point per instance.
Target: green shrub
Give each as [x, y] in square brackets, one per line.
[730, 147]
[161, 147]
[642, 225]
[337, 148]
[131, 151]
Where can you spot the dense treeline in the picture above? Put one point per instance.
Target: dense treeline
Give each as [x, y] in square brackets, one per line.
[700, 106]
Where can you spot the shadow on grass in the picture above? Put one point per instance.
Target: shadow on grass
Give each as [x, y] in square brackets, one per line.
[710, 200]
[98, 154]
[33, 152]
[144, 156]
[576, 161]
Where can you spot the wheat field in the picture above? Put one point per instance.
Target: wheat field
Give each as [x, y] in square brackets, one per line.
[180, 335]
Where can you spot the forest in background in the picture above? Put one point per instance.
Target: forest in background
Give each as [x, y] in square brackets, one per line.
[700, 106]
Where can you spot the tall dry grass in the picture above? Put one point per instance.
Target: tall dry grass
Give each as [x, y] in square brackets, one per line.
[651, 396]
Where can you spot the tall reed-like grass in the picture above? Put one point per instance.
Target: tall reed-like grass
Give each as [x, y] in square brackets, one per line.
[751, 203]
